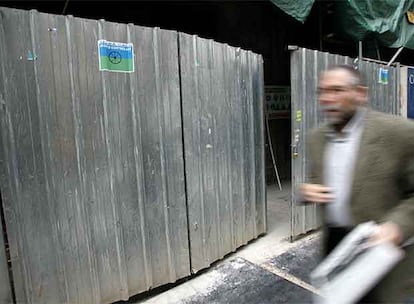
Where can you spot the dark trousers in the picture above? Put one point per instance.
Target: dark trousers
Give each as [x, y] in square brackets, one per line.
[334, 236]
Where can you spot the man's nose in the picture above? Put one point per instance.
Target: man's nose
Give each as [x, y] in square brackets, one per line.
[327, 99]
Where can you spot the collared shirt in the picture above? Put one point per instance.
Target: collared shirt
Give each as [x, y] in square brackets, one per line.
[339, 164]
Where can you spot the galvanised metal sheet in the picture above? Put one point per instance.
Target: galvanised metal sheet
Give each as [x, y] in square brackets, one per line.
[222, 99]
[92, 174]
[383, 97]
[5, 287]
[306, 66]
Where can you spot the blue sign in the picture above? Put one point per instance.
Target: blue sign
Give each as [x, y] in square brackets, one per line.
[410, 93]
[383, 76]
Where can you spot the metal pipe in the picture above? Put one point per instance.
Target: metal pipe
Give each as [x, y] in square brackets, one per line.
[377, 61]
[395, 56]
[269, 139]
[65, 7]
[377, 49]
[398, 86]
[359, 51]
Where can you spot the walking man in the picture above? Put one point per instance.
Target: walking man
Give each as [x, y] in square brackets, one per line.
[362, 169]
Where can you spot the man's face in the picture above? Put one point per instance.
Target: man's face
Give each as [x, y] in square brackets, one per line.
[338, 96]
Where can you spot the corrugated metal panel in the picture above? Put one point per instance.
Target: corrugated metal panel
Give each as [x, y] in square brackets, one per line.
[258, 109]
[306, 66]
[93, 179]
[222, 91]
[5, 288]
[384, 98]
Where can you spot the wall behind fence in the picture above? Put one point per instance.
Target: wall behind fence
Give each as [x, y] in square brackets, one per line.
[93, 174]
[222, 93]
[306, 66]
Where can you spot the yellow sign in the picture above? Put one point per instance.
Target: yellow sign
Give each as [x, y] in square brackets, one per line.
[298, 116]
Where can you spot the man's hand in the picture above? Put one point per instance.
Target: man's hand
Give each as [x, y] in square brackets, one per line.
[316, 193]
[387, 232]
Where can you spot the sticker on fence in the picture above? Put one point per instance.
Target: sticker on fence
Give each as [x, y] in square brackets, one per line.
[410, 93]
[383, 76]
[116, 56]
[299, 116]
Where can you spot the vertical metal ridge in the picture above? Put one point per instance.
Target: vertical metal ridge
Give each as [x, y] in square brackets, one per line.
[177, 190]
[174, 109]
[235, 130]
[252, 145]
[72, 99]
[232, 93]
[168, 123]
[240, 78]
[244, 144]
[119, 235]
[158, 85]
[225, 59]
[226, 74]
[145, 232]
[315, 118]
[262, 140]
[186, 194]
[138, 160]
[105, 130]
[303, 79]
[292, 209]
[96, 289]
[296, 82]
[211, 56]
[57, 59]
[200, 165]
[397, 87]
[115, 204]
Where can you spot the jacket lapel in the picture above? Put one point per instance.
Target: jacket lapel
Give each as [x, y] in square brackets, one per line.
[367, 155]
[319, 148]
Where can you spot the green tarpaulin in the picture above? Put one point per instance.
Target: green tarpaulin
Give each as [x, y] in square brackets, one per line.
[385, 20]
[297, 9]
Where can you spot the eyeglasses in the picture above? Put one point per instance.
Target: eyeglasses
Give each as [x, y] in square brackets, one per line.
[333, 90]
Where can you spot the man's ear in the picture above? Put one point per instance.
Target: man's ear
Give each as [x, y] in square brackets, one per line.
[362, 94]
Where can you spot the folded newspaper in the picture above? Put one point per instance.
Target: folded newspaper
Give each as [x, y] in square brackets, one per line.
[353, 268]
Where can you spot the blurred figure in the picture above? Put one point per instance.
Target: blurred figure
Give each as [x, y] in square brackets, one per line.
[362, 169]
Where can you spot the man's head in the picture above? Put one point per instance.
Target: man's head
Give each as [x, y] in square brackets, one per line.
[340, 93]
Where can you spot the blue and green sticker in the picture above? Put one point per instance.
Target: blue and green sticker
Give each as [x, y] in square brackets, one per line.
[383, 76]
[116, 56]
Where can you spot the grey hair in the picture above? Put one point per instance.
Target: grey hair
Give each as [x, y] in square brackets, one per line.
[356, 77]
